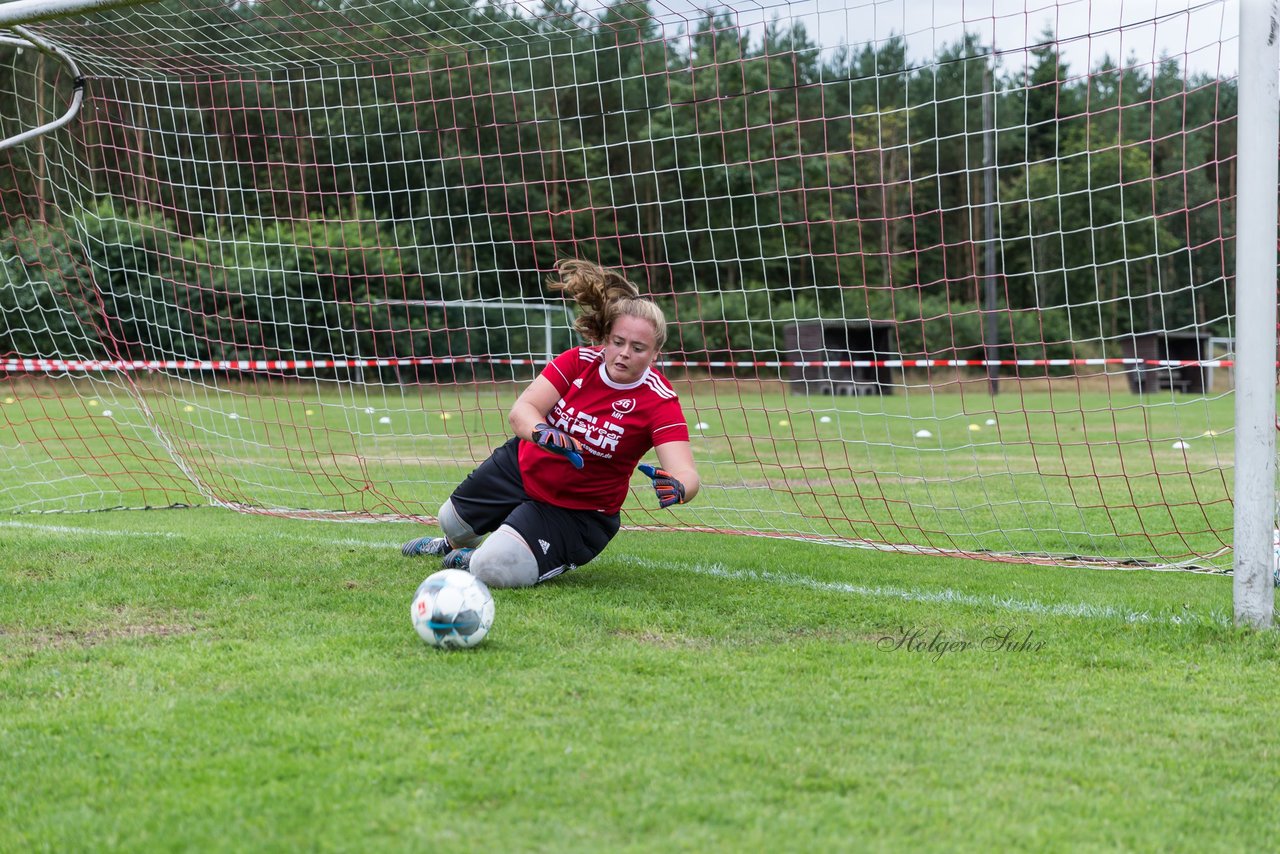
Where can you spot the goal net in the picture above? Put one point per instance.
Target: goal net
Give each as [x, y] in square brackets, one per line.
[941, 277]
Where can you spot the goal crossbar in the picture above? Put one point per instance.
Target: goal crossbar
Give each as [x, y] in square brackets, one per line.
[31, 11]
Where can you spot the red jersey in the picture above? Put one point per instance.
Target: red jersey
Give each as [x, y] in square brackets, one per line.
[616, 424]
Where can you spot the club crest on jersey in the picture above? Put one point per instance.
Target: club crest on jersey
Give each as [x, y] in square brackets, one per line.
[622, 407]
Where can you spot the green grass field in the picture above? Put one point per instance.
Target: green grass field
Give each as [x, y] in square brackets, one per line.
[202, 680]
[197, 679]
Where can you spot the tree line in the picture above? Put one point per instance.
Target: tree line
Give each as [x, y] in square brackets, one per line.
[749, 181]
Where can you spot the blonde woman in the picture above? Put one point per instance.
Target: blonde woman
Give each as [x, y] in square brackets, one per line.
[548, 500]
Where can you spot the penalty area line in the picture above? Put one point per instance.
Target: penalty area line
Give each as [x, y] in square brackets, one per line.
[107, 532]
[87, 532]
[945, 596]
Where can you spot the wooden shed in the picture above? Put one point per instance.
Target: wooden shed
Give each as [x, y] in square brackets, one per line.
[826, 341]
[1162, 345]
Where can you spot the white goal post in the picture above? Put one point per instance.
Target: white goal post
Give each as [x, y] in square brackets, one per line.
[30, 11]
[547, 310]
[1255, 391]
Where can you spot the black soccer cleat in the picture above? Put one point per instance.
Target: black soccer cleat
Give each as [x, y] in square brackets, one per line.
[430, 546]
[458, 559]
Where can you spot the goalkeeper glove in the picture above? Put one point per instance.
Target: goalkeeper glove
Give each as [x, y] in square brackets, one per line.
[670, 491]
[558, 442]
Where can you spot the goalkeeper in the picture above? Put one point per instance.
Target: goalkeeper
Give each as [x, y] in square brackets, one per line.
[549, 498]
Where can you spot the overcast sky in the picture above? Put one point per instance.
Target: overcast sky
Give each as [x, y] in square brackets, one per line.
[1200, 34]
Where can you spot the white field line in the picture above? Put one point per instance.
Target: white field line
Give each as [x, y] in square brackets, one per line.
[84, 532]
[98, 532]
[945, 596]
[347, 541]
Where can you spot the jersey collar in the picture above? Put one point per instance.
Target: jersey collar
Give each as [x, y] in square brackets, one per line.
[604, 377]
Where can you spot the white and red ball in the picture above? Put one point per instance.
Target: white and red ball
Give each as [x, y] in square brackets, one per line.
[452, 609]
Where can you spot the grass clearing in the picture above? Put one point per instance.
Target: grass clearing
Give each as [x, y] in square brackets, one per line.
[197, 679]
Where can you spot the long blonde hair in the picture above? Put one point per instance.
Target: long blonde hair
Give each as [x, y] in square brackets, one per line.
[604, 295]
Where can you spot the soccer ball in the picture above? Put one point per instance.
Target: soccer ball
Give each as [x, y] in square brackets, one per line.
[452, 609]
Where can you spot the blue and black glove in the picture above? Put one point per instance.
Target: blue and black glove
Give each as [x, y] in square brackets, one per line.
[558, 442]
[670, 491]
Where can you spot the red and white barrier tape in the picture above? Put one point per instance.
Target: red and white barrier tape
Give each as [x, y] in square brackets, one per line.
[96, 366]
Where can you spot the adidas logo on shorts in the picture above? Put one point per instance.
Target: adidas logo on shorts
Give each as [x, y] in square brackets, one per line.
[546, 547]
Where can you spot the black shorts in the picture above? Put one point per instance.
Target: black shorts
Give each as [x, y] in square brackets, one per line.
[561, 539]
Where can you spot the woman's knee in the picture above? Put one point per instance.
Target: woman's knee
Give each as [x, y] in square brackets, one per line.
[459, 534]
[505, 560]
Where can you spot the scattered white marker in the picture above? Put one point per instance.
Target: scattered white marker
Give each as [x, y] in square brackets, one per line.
[826, 419]
[701, 425]
[310, 412]
[384, 420]
[106, 413]
[234, 417]
[783, 423]
[1180, 445]
[974, 428]
[923, 434]
[991, 422]
[188, 408]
